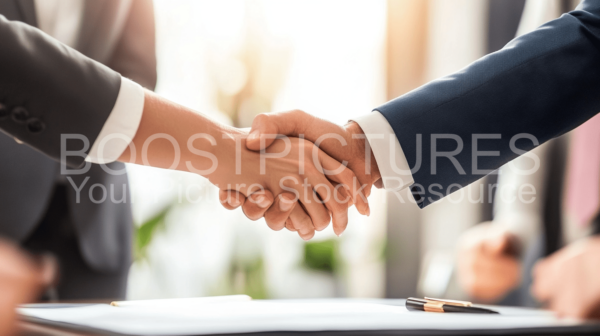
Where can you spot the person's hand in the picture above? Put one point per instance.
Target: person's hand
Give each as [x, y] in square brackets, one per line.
[174, 137]
[488, 267]
[293, 169]
[568, 280]
[346, 144]
[21, 280]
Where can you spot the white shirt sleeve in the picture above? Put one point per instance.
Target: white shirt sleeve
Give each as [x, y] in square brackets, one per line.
[121, 125]
[391, 161]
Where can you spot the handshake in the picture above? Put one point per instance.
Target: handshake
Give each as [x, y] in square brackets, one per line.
[310, 172]
[294, 169]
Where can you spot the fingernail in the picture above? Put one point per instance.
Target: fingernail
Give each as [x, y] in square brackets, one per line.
[254, 135]
[368, 210]
[285, 204]
[309, 237]
[263, 202]
[234, 202]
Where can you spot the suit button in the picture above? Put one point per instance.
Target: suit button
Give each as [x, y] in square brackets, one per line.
[35, 125]
[3, 112]
[20, 115]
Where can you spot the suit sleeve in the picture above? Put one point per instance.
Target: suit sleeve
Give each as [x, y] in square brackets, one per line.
[540, 86]
[48, 89]
[135, 54]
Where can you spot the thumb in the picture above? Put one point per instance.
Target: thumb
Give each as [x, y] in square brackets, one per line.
[497, 244]
[266, 127]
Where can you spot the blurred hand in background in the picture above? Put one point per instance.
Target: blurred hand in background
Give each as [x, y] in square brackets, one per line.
[21, 281]
[488, 264]
[568, 280]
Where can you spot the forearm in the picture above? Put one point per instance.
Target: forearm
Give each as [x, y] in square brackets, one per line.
[169, 134]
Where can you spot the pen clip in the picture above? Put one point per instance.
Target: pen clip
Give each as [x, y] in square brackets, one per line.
[449, 302]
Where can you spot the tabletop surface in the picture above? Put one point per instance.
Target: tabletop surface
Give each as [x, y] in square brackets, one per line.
[28, 328]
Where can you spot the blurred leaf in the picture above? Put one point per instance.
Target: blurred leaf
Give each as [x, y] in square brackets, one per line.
[244, 277]
[385, 250]
[145, 232]
[321, 255]
[254, 279]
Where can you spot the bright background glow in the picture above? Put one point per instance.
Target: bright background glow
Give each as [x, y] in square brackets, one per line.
[232, 59]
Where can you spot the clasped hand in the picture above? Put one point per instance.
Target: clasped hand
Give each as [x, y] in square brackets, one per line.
[333, 162]
[301, 182]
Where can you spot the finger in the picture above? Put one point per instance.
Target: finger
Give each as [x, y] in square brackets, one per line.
[347, 178]
[290, 225]
[289, 123]
[338, 209]
[343, 175]
[343, 193]
[542, 283]
[278, 214]
[231, 199]
[302, 223]
[257, 204]
[314, 207]
[506, 274]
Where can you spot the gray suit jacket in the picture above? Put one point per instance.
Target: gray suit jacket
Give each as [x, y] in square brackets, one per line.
[47, 89]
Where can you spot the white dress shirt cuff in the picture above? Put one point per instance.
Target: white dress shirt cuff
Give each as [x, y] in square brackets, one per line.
[392, 164]
[121, 126]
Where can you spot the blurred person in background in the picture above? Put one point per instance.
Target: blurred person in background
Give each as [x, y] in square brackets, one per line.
[40, 207]
[497, 257]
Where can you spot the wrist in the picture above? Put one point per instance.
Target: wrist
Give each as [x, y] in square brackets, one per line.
[228, 151]
[359, 144]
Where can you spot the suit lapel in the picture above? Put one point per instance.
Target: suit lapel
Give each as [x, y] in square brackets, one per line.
[27, 11]
[91, 14]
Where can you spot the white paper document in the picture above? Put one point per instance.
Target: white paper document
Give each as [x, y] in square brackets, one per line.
[181, 303]
[283, 315]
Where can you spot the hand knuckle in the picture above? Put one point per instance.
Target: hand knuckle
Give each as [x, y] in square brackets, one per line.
[262, 117]
[305, 223]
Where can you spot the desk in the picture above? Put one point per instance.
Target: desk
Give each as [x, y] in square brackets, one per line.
[34, 329]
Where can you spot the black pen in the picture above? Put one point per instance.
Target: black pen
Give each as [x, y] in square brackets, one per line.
[445, 306]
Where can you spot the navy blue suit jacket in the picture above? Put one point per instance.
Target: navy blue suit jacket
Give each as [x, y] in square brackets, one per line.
[544, 84]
